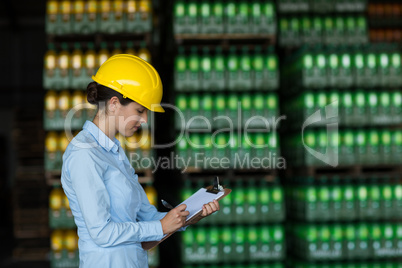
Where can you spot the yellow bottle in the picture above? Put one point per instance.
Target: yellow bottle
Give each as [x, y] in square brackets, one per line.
[118, 9]
[146, 142]
[65, 10]
[52, 8]
[76, 60]
[90, 60]
[64, 102]
[77, 98]
[51, 142]
[66, 203]
[105, 8]
[131, 9]
[50, 60]
[151, 194]
[63, 142]
[70, 240]
[91, 8]
[117, 49]
[130, 48]
[51, 101]
[56, 241]
[103, 55]
[78, 10]
[64, 60]
[56, 198]
[144, 53]
[144, 7]
[132, 142]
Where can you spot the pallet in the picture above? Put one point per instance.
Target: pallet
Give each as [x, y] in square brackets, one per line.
[144, 176]
[192, 173]
[353, 170]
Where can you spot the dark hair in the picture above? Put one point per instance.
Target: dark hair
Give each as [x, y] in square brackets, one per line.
[97, 93]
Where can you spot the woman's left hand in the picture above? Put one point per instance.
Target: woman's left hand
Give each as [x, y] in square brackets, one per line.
[210, 208]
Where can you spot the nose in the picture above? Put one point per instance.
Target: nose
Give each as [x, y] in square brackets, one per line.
[144, 118]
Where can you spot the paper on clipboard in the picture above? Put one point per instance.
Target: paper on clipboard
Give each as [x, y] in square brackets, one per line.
[198, 199]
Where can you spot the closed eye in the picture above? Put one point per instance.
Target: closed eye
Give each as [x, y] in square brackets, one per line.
[141, 111]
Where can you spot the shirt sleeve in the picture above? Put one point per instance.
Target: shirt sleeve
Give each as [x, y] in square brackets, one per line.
[86, 175]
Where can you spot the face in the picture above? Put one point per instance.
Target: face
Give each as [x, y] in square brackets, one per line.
[129, 118]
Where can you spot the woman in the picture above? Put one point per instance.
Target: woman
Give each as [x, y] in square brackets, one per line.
[110, 208]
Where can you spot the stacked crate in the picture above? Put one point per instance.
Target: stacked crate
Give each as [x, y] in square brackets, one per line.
[343, 140]
[81, 36]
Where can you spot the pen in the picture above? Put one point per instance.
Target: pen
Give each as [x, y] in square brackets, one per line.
[166, 204]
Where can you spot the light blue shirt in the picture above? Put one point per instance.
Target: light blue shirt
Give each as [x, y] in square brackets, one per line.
[110, 207]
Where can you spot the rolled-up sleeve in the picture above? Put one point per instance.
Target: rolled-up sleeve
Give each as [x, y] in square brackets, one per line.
[85, 174]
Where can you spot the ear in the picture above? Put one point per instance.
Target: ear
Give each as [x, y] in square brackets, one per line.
[114, 104]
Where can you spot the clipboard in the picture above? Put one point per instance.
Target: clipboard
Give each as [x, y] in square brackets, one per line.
[197, 216]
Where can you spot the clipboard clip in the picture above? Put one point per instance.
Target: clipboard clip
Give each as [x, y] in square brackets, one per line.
[215, 187]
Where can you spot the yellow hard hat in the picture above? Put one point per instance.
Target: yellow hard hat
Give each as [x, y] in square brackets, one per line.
[134, 78]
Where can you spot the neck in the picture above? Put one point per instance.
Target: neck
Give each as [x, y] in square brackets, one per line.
[104, 123]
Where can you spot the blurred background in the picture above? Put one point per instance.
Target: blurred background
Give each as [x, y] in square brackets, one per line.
[337, 59]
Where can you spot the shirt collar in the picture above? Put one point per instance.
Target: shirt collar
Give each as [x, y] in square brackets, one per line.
[101, 138]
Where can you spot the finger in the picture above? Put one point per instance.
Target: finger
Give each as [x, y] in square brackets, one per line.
[213, 206]
[182, 207]
[184, 213]
[217, 205]
[208, 208]
[204, 212]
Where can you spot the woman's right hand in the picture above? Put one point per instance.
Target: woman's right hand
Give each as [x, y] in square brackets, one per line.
[174, 219]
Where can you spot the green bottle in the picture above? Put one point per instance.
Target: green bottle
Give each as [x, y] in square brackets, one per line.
[188, 245]
[194, 67]
[313, 244]
[226, 238]
[206, 109]
[219, 109]
[363, 247]
[371, 72]
[310, 195]
[195, 150]
[323, 199]
[246, 108]
[360, 146]
[387, 241]
[385, 147]
[396, 104]
[232, 67]
[220, 145]
[386, 199]
[278, 207]
[277, 233]
[347, 147]
[333, 70]
[372, 109]
[383, 69]
[243, 23]
[239, 202]
[268, 18]
[336, 199]
[362, 199]
[226, 213]
[349, 209]
[373, 147]
[179, 17]
[201, 241]
[245, 70]
[329, 30]
[257, 63]
[306, 29]
[230, 16]
[182, 151]
[252, 242]
[265, 242]
[351, 243]
[181, 71]
[350, 30]
[206, 70]
[192, 15]
[205, 9]
[218, 70]
[396, 145]
[238, 242]
[207, 150]
[217, 17]
[375, 236]
[259, 146]
[294, 31]
[233, 148]
[340, 35]
[397, 238]
[264, 199]
[256, 17]
[336, 246]
[362, 29]
[284, 29]
[395, 70]
[257, 109]
[345, 71]
[234, 105]
[181, 116]
[360, 107]
[374, 195]
[397, 200]
[251, 212]
[384, 109]
[213, 250]
[271, 70]
[317, 31]
[194, 110]
[307, 70]
[310, 140]
[359, 69]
